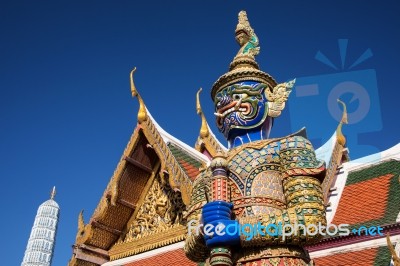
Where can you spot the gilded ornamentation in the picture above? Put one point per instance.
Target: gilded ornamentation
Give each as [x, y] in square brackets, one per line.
[158, 238]
[339, 135]
[159, 221]
[204, 131]
[337, 154]
[205, 138]
[81, 225]
[162, 208]
[277, 97]
[177, 176]
[253, 254]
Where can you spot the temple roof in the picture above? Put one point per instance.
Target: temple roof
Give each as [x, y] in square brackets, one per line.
[370, 196]
[366, 257]
[362, 180]
[150, 151]
[364, 193]
[188, 163]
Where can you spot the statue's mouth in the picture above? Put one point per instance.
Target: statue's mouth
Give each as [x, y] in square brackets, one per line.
[235, 106]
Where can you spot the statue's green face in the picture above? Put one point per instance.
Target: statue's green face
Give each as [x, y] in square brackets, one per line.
[240, 107]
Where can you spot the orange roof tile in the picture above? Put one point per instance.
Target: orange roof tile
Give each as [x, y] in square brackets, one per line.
[363, 201]
[355, 258]
[190, 170]
[189, 164]
[170, 258]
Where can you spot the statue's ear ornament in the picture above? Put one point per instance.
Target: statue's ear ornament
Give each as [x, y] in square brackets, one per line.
[278, 96]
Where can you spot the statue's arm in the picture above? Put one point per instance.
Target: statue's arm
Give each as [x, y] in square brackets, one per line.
[302, 177]
[195, 247]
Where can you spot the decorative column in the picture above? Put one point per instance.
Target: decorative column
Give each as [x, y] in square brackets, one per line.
[220, 256]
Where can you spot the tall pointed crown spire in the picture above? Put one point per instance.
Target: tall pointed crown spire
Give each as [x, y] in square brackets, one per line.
[246, 37]
[244, 66]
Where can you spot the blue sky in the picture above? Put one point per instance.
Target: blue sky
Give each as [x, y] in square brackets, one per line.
[66, 111]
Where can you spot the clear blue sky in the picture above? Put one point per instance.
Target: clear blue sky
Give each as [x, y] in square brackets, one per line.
[66, 111]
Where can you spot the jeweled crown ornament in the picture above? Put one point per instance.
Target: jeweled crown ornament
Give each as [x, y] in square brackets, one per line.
[247, 99]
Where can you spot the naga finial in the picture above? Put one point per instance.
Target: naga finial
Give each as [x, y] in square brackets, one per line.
[204, 132]
[81, 222]
[246, 37]
[339, 135]
[53, 193]
[142, 114]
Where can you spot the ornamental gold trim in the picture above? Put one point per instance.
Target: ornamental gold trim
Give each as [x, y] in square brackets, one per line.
[177, 177]
[205, 137]
[336, 156]
[156, 239]
[299, 181]
[305, 192]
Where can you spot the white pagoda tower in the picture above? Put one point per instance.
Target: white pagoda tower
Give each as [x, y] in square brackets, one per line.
[41, 242]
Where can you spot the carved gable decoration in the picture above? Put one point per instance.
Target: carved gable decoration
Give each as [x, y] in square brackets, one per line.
[159, 221]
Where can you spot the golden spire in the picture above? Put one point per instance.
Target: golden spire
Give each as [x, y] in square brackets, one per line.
[204, 132]
[53, 193]
[142, 114]
[339, 135]
[81, 223]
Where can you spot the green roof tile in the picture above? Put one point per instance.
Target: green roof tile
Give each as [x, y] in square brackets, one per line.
[383, 257]
[183, 157]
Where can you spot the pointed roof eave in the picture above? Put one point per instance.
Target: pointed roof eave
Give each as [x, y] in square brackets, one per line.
[168, 138]
[336, 151]
[110, 195]
[149, 131]
[206, 139]
[178, 179]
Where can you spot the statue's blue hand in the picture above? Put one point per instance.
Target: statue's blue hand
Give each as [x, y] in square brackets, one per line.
[222, 233]
[216, 219]
[217, 210]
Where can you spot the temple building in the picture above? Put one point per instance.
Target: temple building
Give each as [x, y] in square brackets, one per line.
[39, 250]
[158, 185]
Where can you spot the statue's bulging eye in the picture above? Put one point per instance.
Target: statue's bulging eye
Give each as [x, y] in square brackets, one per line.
[236, 97]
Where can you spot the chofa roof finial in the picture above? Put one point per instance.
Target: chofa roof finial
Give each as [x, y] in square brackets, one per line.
[339, 135]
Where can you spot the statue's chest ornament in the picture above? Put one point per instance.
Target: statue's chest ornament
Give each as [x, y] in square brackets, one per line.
[246, 164]
[256, 173]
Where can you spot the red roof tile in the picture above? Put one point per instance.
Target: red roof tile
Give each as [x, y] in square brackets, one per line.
[355, 258]
[190, 170]
[170, 258]
[363, 201]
